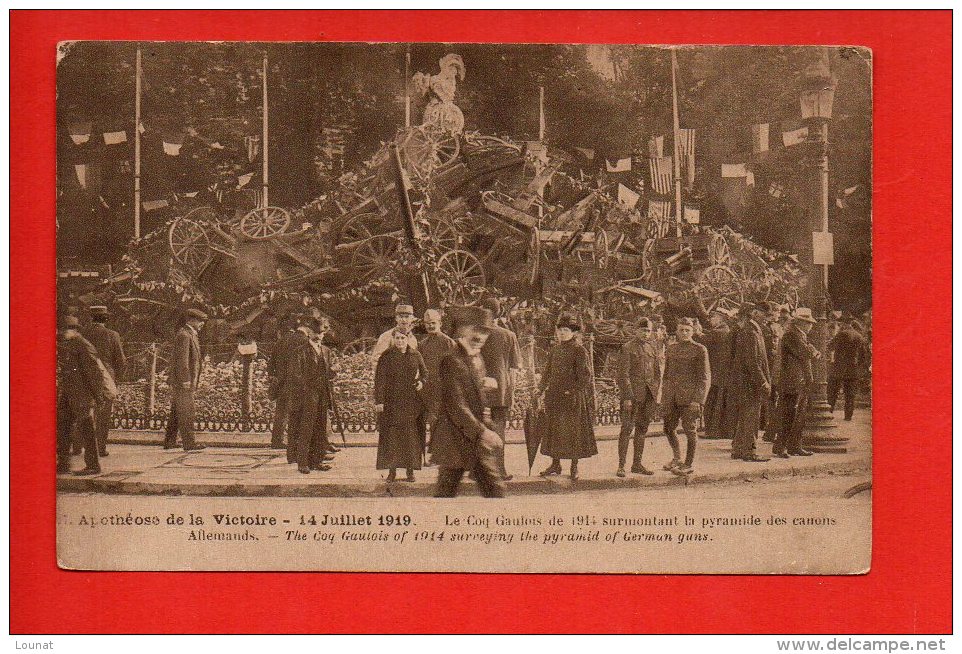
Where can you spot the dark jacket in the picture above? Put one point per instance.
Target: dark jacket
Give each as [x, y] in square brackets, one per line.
[640, 369]
[80, 380]
[750, 370]
[308, 372]
[501, 353]
[185, 360]
[687, 374]
[109, 349]
[395, 386]
[850, 355]
[277, 364]
[797, 355]
[461, 421]
[720, 344]
[567, 401]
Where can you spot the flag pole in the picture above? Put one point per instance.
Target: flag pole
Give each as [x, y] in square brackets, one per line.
[265, 201]
[137, 146]
[675, 138]
[407, 86]
[541, 114]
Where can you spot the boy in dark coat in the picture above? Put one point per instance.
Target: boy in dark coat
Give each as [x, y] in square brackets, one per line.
[398, 381]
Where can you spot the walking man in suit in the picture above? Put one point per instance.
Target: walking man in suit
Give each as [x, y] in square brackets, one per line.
[185, 364]
[308, 386]
[465, 439]
[502, 361]
[277, 372]
[750, 383]
[796, 384]
[684, 390]
[80, 388]
[849, 359]
[639, 380]
[434, 346]
[111, 352]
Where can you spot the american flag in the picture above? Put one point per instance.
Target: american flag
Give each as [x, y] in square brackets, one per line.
[686, 149]
[661, 174]
[659, 209]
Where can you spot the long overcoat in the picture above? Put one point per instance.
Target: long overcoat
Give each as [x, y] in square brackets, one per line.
[454, 443]
[400, 429]
[567, 398]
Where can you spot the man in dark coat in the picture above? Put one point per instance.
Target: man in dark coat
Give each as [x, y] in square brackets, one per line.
[308, 388]
[684, 390]
[796, 384]
[80, 388]
[277, 373]
[719, 341]
[750, 383]
[185, 364]
[772, 334]
[502, 361]
[434, 346]
[849, 361]
[465, 439]
[639, 381]
[111, 353]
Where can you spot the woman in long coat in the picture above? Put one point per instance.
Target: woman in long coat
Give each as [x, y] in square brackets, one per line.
[398, 381]
[566, 386]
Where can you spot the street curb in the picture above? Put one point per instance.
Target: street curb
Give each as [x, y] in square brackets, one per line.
[524, 486]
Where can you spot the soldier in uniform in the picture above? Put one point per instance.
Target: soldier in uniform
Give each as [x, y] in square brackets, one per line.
[849, 360]
[308, 387]
[465, 439]
[639, 380]
[685, 387]
[276, 372]
[80, 388]
[111, 353]
[566, 390]
[750, 383]
[434, 346]
[185, 364]
[502, 360]
[796, 383]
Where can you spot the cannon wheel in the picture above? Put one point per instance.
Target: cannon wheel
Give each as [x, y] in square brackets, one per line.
[359, 228]
[375, 255]
[265, 222]
[463, 269]
[718, 282]
[443, 234]
[359, 345]
[424, 149]
[719, 253]
[189, 244]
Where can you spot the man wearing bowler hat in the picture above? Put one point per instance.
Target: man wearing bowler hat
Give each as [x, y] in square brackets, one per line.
[80, 386]
[465, 439]
[308, 387]
[110, 349]
[795, 384]
[185, 364]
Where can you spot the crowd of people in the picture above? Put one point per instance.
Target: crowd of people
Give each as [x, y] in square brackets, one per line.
[445, 399]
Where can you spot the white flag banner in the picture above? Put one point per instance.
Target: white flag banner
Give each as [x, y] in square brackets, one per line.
[817, 104]
[192, 194]
[662, 174]
[627, 197]
[252, 144]
[620, 166]
[750, 179]
[151, 205]
[587, 153]
[79, 133]
[734, 170]
[243, 180]
[114, 138]
[760, 138]
[692, 215]
[172, 149]
[81, 170]
[795, 136]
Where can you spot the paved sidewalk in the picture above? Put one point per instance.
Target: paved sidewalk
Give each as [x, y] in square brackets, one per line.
[247, 468]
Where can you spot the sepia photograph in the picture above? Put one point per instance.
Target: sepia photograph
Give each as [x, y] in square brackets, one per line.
[464, 307]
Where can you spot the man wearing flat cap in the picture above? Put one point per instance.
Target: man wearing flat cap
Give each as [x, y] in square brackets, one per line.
[751, 383]
[80, 387]
[639, 380]
[185, 364]
[796, 383]
[110, 349]
[684, 390]
[465, 439]
[404, 322]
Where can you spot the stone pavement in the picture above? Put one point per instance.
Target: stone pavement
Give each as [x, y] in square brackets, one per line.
[242, 465]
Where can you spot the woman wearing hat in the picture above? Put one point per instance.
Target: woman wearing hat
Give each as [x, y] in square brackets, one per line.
[566, 389]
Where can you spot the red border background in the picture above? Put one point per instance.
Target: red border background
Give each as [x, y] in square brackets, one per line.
[909, 587]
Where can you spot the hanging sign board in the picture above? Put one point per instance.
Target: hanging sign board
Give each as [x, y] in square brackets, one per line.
[823, 249]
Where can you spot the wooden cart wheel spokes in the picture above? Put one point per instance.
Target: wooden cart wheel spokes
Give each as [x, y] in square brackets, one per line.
[443, 234]
[462, 270]
[189, 244]
[419, 153]
[359, 228]
[447, 147]
[476, 140]
[265, 222]
[717, 282]
[375, 255]
[606, 327]
[718, 251]
[359, 345]
[202, 214]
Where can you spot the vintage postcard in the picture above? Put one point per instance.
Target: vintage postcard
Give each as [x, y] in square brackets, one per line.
[464, 307]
